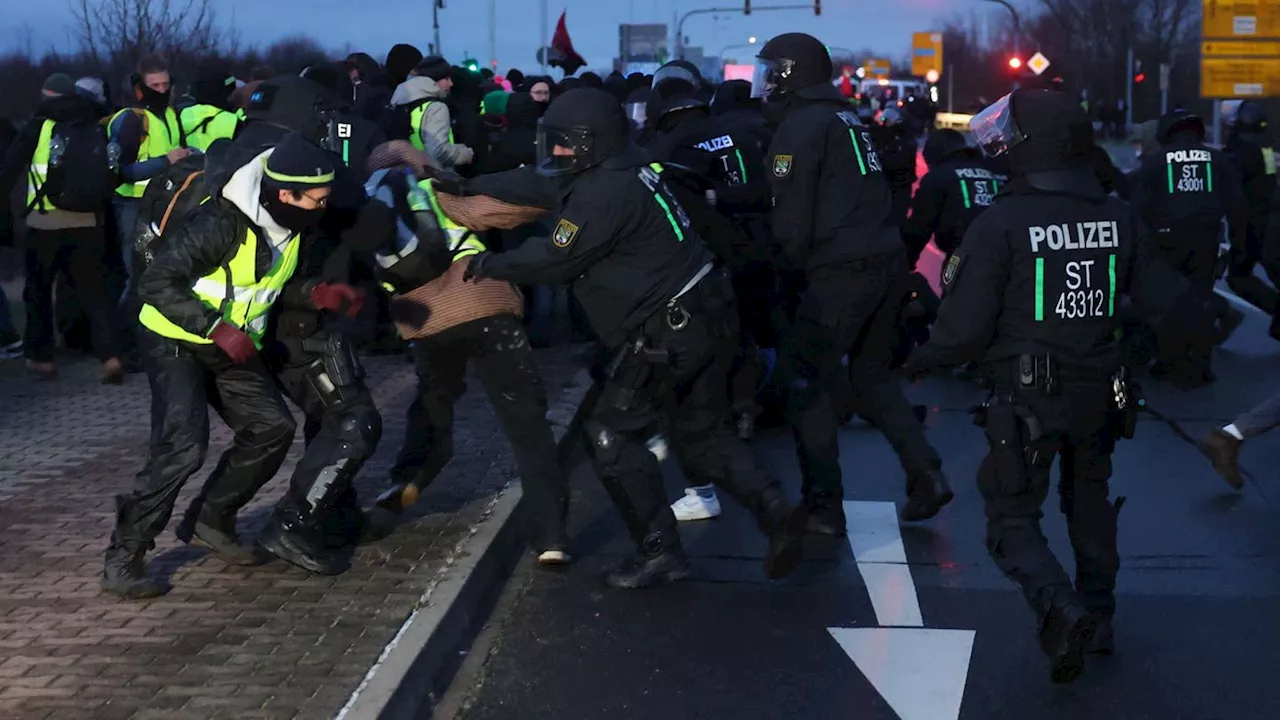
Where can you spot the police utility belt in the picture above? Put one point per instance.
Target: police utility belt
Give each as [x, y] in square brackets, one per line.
[1042, 373]
[632, 365]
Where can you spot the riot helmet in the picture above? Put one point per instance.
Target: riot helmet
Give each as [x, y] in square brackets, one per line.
[1177, 123]
[789, 63]
[1041, 131]
[890, 117]
[1251, 117]
[944, 144]
[588, 124]
[671, 97]
[677, 70]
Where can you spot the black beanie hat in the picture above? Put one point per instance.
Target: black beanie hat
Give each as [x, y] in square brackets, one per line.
[297, 164]
[434, 67]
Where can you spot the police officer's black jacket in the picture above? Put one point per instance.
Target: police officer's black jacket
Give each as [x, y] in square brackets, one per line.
[898, 153]
[831, 198]
[625, 254]
[734, 169]
[1256, 162]
[950, 196]
[204, 241]
[1043, 273]
[1188, 187]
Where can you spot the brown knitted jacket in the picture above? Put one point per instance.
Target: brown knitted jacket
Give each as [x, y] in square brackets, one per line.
[447, 301]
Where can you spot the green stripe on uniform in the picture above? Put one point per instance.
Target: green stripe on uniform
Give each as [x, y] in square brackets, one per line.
[1111, 296]
[1170, 167]
[1208, 169]
[964, 190]
[741, 165]
[858, 151]
[1039, 289]
[675, 226]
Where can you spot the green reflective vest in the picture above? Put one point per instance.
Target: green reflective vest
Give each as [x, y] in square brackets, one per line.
[158, 138]
[415, 125]
[39, 171]
[206, 123]
[235, 291]
[462, 242]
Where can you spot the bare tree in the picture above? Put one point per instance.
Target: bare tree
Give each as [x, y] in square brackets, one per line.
[117, 32]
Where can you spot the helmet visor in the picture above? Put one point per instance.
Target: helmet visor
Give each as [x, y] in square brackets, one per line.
[637, 112]
[564, 151]
[995, 130]
[674, 72]
[767, 76]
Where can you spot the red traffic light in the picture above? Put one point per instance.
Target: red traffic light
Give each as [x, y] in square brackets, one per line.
[1015, 62]
[1139, 77]
[817, 7]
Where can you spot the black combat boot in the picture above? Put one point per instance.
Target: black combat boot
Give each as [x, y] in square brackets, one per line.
[1065, 632]
[785, 527]
[225, 545]
[291, 538]
[659, 559]
[825, 513]
[125, 573]
[1103, 641]
[926, 496]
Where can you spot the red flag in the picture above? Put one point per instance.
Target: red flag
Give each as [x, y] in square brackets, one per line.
[562, 53]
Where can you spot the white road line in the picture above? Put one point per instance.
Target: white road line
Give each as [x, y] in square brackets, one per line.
[877, 547]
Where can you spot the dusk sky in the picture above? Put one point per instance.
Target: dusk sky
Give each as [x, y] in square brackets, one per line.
[374, 25]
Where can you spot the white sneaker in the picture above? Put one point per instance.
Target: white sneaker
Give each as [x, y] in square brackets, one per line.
[554, 557]
[694, 506]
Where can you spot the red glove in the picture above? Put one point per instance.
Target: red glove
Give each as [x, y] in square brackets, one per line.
[338, 297]
[234, 342]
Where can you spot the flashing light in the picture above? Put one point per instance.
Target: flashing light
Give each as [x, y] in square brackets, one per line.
[1139, 77]
[1015, 62]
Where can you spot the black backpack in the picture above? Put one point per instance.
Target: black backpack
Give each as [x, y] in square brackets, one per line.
[397, 120]
[169, 198]
[81, 174]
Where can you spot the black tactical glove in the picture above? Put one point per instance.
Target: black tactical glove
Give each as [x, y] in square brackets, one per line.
[475, 268]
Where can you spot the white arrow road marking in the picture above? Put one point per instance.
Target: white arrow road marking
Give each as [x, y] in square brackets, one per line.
[920, 672]
[877, 547]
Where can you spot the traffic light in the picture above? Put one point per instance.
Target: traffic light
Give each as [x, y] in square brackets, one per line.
[1139, 77]
[1015, 63]
[471, 65]
[817, 7]
[746, 7]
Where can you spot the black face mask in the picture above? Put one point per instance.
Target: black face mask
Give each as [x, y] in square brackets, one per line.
[156, 101]
[290, 217]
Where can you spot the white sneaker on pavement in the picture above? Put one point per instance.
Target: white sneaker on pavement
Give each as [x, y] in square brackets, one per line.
[695, 506]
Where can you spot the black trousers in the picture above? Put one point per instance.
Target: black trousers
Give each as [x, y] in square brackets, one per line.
[1194, 253]
[848, 306]
[78, 254]
[685, 397]
[185, 382]
[342, 429]
[1014, 481]
[498, 351]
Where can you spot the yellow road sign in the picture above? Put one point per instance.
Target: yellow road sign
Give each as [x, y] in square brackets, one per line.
[877, 67]
[1226, 78]
[926, 53]
[1240, 18]
[1240, 48]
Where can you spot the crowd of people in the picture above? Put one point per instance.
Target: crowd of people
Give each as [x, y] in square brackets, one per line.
[736, 253]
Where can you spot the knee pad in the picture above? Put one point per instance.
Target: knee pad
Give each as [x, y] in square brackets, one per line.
[361, 428]
[603, 443]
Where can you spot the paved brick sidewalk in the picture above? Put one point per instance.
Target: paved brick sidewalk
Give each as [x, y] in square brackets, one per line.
[265, 642]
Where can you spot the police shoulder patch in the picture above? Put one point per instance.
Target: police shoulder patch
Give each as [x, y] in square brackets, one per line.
[564, 233]
[782, 165]
[949, 272]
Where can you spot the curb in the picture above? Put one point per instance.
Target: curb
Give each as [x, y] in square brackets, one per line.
[420, 661]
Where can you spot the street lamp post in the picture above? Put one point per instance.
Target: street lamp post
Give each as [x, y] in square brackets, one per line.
[1017, 25]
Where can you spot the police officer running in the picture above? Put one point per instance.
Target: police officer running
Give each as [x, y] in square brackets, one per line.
[1182, 194]
[957, 188]
[651, 292]
[207, 293]
[847, 266]
[1032, 294]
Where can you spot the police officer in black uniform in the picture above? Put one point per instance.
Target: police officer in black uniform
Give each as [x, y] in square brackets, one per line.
[1032, 294]
[736, 196]
[1250, 148]
[897, 147]
[1182, 194]
[957, 188]
[846, 265]
[650, 289]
